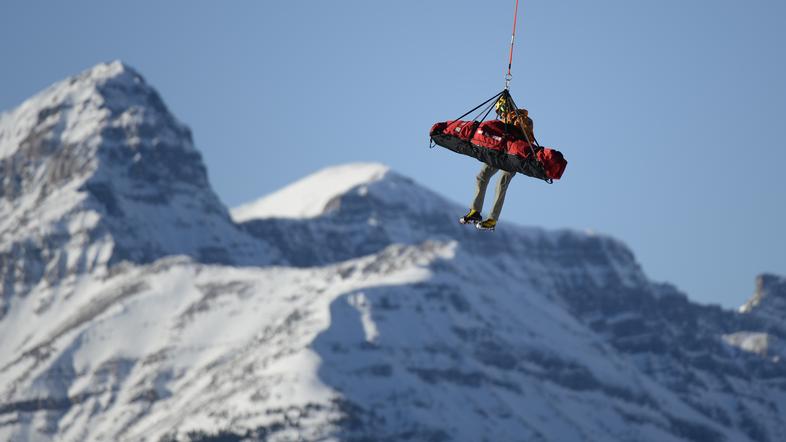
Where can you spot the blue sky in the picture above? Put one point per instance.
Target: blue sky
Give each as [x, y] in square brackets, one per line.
[670, 113]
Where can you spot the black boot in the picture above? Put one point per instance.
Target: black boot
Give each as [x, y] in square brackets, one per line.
[473, 217]
[488, 224]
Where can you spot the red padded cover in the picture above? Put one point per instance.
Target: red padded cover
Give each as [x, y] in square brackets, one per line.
[519, 148]
[553, 162]
[461, 129]
[438, 128]
[493, 135]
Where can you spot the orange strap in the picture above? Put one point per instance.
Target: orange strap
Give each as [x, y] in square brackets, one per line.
[512, 41]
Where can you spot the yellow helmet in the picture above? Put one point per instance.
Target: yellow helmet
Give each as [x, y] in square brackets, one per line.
[502, 106]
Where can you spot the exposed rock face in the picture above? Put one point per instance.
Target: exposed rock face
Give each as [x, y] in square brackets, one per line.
[769, 300]
[331, 312]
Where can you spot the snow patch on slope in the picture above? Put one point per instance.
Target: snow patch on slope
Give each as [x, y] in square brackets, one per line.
[749, 341]
[310, 196]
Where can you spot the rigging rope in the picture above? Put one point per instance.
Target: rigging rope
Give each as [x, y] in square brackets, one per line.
[509, 76]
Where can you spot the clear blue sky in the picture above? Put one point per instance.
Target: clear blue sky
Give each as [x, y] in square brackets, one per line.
[670, 112]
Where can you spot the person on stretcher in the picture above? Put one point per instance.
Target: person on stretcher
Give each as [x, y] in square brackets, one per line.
[520, 120]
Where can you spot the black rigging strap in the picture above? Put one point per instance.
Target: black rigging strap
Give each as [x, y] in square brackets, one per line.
[485, 111]
[494, 98]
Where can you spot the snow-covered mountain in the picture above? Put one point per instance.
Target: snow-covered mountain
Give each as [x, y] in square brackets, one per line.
[347, 306]
[95, 170]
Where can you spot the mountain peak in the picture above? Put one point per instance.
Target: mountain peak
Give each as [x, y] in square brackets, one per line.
[311, 196]
[115, 70]
[108, 174]
[769, 300]
[76, 110]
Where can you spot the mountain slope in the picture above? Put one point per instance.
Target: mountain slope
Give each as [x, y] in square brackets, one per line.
[338, 316]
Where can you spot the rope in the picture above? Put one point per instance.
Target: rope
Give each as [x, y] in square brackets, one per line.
[488, 111]
[485, 112]
[480, 105]
[509, 76]
[532, 142]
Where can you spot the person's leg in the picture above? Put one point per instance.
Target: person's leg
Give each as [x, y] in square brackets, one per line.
[483, 178]
[502, 188]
